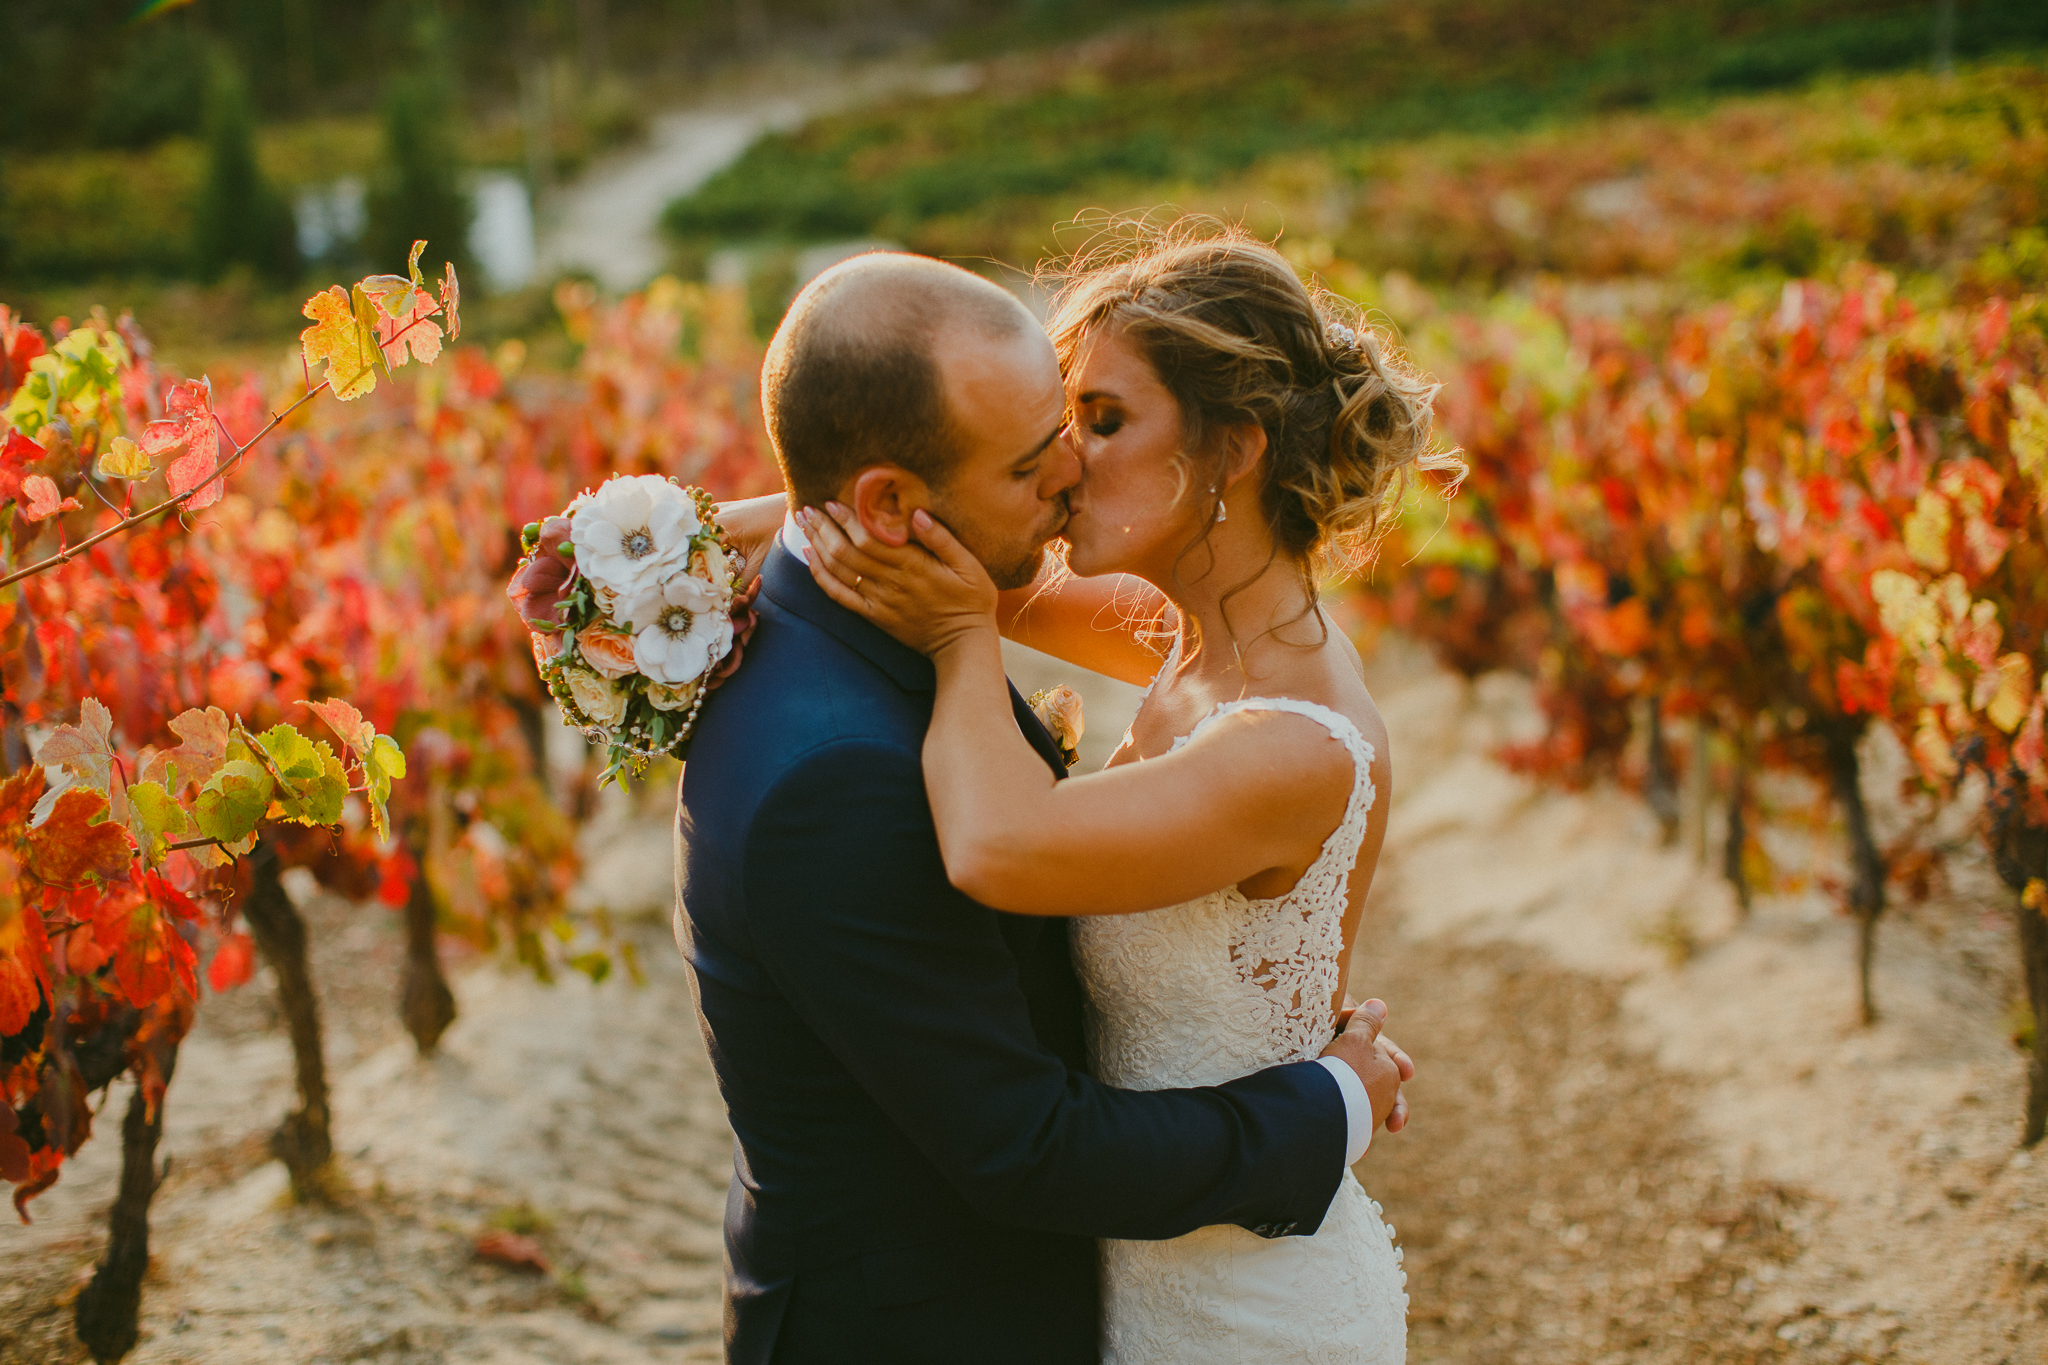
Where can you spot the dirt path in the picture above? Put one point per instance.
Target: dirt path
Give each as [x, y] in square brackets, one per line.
[608, 220]
[1619, 1157]
[1616, 1159]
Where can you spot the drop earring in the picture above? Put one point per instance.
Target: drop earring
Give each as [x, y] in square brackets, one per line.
[1221, 517]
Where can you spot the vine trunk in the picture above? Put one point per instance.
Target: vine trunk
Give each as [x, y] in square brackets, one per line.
[1866, 863]
[2020, 852]
[304, 1141]
[424, 1001]
[1732, 865]
[108, 1313]
[1660, 786]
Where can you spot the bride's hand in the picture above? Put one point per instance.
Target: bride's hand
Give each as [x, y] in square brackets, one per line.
[750, 527]
[928, 593]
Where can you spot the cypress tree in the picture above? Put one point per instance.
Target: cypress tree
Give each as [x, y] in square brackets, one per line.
[419, 193]
[242, 220]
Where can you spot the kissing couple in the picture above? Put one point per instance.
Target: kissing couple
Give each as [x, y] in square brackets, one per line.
[1025, 1067]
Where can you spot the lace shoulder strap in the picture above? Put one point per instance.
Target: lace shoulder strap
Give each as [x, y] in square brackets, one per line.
[1340, 850]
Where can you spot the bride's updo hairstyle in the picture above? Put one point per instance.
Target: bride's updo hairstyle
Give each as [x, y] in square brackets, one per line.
[1237, 338]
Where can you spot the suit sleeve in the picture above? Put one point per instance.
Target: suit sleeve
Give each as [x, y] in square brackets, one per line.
[910, 985]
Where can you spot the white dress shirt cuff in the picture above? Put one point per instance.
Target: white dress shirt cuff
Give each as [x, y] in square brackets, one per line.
[794, 540]
[1357, 1110]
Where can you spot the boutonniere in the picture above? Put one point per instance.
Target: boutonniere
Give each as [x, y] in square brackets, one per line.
[1059, 710]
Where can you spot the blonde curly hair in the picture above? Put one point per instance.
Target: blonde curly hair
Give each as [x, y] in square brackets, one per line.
[1237, 338]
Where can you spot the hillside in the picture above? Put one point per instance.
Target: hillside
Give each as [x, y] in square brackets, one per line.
[1197, 96]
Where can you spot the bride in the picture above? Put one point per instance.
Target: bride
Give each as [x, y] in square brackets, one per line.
[1235, 438]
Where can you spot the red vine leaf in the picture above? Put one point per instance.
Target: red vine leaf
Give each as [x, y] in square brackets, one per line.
[513, 1251]
[24, 955]
[39, 498]
[18, 796]
[74, 843]
[190, 428]
[410, 328]
[205, 748]
[347, 722]
[451, 300]
[150, 957]
[233, 963]
[17, 455]
[24, 1193]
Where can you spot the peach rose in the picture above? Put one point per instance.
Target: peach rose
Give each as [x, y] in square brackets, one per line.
[662, 697]
[597, 698]
[608, 651]
[546, 646]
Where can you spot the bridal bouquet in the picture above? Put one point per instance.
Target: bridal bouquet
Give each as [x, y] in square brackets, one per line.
[632, 598]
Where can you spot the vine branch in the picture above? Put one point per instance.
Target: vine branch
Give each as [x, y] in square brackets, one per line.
[135, 519]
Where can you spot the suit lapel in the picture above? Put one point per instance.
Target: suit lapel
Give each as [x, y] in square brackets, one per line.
[1041, 739]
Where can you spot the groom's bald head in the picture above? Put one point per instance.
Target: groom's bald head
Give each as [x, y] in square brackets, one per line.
[852, 377]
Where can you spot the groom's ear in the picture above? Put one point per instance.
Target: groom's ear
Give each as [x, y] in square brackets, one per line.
[884, 497]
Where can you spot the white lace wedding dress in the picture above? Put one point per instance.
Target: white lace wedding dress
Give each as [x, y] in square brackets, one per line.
[1202, 993]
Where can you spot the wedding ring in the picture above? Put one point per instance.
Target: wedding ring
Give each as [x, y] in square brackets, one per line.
[856, 582]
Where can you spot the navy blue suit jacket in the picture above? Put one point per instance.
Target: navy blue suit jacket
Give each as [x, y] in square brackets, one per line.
[922, 1161]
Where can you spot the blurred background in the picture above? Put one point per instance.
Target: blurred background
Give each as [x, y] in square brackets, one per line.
[205, 159]
[1681, 1101]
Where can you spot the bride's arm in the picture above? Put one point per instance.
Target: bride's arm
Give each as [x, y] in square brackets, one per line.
[1097, 623]
[1256, 792]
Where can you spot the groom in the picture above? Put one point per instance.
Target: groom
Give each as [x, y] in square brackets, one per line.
[922, 1162]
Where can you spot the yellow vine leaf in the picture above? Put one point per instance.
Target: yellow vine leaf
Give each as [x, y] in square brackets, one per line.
[1908, 615]
[1932, 750]
[123, 459]
[405, 308]
[1927, 531]
[339, 337]
[2015, 692]
[2029, 437]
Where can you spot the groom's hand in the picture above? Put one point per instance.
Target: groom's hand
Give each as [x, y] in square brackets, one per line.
[1360, 1047]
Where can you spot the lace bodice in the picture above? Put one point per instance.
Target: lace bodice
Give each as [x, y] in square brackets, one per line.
[1224, 985]
[1201, 993]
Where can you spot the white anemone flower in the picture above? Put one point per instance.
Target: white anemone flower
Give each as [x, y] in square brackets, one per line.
[688, 630]
[694, 593]
[630, 534]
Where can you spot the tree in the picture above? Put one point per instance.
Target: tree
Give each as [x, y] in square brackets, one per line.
[419, 190]
[241, 219]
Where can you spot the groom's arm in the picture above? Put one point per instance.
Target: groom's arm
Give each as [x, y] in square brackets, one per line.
[910, 985]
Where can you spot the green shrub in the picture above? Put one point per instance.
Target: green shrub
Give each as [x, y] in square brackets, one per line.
[84, 215]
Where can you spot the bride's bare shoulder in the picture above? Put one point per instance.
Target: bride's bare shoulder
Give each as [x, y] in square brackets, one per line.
[1294, 746]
